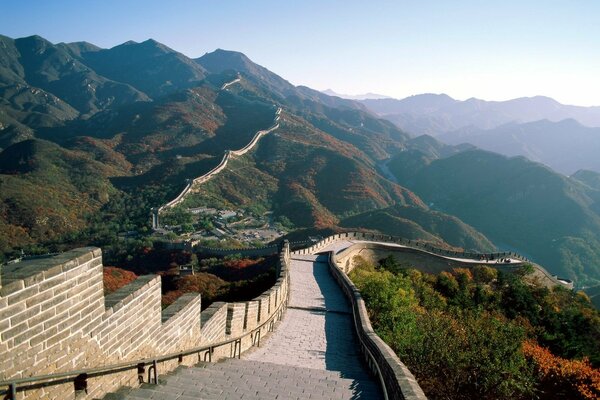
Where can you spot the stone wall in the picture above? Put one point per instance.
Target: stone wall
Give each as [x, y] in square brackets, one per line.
[201, 179]
[54, 318]
[376, 246]
[395, 378]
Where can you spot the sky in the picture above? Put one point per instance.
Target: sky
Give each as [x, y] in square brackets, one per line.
[492, 50]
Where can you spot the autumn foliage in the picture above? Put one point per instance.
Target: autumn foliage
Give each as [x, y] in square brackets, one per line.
[115, 278]
[481, 333]
[561, 377]
[209, 285]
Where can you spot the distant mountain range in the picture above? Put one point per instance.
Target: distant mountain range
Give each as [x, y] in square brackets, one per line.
[91, 139]
[565, 146]
[566, 138]
[364, 96]
[436, 114]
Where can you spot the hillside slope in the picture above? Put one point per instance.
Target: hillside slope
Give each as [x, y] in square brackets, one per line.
[519, 205]
[46, 192]
[565, 146]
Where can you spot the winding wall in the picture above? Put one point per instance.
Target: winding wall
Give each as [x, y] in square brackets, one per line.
[354, 242]
[226, 157]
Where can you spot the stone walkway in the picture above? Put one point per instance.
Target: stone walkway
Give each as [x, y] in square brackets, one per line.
[317, 330]
[313, 353]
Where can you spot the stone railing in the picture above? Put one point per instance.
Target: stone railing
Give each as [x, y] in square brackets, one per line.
[468, 258]
[55, 319]
[375, 237]
[395, 378]
[201, 179]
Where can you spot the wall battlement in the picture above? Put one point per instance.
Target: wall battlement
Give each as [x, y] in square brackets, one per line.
[382, 245]
[54, 317]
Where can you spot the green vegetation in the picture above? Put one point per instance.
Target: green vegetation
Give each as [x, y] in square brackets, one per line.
[419, 223]
[551, 218]
[111, 155]
[230, 278]
[462, 332]
[176, 216]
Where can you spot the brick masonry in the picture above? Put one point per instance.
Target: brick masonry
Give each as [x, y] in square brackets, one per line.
[54, 317]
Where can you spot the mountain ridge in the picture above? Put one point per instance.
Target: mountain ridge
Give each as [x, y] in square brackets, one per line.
[435, 114]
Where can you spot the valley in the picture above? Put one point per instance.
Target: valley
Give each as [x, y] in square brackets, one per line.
[228, 135]
[329, 200]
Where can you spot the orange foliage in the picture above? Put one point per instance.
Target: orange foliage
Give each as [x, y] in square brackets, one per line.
[208, 285]
[115, 278]
[243, 263]
[574, 378]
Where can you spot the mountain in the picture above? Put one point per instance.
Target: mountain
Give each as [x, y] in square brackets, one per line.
[565, 146]
[364, 96]
[436, 114]
[590, 178]
[46, 192]
[150, 67]
[52, 69]
[222, 61]
[518, 204]
[115, 160]
[100, 166]
[421, 224]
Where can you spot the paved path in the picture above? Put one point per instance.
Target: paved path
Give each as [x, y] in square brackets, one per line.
[243, 379]
[313, 353]
[317, 330]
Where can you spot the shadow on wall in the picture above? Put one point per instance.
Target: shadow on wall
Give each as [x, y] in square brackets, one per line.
[342, 350]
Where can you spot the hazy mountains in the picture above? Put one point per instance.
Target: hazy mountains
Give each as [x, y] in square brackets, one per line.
[105, 134]
[108, 133]
[364, 96]
[565, 146]
[435, 114]
[566, 138]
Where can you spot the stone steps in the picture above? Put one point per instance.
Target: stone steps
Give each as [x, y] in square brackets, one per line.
[245, 379]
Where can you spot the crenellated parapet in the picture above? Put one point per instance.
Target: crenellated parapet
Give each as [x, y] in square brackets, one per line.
[55, 318]
[376, 246]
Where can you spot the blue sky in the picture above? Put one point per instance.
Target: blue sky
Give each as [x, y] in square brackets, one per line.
[490, 50]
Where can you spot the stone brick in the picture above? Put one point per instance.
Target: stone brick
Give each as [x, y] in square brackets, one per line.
[39, 298]
[22, 295]
[57, 338]
[43, 336]
[11, 311]
[56, 299]
[28, 334]
[57, 319]
[54, 271]
[33, 279]
[14, 331]
[11, 287]
[25, 315]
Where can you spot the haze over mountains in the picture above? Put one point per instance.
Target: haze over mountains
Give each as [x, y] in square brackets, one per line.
[109, 133]
[364, 96]
[563, 137]
[435, 114]
[566, 146]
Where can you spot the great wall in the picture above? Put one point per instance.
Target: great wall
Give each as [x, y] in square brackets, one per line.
[308, 336]
[60, 337]
[229, 154]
